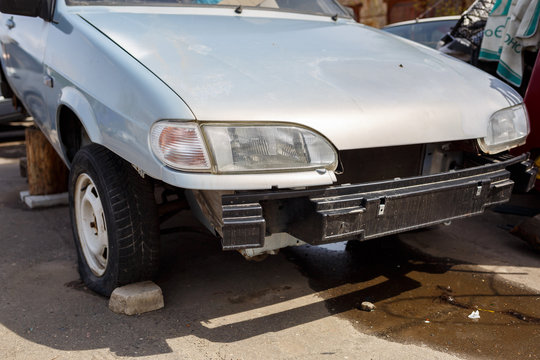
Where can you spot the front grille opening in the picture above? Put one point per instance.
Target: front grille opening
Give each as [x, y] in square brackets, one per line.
[388, 163]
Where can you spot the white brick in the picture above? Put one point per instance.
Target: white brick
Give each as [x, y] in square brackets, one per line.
[40, 201]
[136, 298]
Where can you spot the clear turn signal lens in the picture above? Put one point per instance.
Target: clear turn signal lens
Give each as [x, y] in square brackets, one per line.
[179, 145]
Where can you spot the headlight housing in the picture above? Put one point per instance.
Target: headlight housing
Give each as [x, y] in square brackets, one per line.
[507, 128]
[240, 148]
[249, 148]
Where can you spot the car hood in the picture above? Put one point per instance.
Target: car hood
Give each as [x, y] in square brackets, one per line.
[358, 86]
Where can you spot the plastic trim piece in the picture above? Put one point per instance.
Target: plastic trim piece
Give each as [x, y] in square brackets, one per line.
[338, 213]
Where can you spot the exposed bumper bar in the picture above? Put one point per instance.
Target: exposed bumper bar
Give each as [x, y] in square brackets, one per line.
[365, 211]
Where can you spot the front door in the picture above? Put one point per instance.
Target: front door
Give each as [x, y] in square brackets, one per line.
[23, 47]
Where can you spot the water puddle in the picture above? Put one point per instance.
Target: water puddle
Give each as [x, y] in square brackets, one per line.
[423, 300]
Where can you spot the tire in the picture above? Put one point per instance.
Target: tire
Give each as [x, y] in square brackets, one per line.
[114, 220]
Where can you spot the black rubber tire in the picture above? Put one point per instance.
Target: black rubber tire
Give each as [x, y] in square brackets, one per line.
[131, 217]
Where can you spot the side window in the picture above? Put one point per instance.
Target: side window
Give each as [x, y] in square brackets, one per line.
[21, 7]
[32, 8]
[403, 31]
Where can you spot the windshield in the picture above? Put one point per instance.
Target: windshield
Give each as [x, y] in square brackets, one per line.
[325, 7]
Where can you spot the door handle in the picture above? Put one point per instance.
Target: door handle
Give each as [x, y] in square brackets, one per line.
[10, 23]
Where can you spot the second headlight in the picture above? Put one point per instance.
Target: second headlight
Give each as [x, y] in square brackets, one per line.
[507, 128]
[252, 148]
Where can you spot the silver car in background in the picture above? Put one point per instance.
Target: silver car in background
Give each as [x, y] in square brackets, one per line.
[279, 122]
[428, 31]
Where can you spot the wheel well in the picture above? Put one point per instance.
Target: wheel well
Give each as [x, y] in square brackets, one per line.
[7, 93]
[4, 86]
[72, 133]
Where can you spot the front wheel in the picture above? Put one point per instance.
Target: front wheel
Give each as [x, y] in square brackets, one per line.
[114, 219]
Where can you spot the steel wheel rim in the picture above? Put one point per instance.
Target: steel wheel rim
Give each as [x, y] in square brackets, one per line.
[91, 225]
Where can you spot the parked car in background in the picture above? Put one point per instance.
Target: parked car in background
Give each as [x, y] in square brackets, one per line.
[8, 113]
[428, 31]
[279, 124]
[464, 39]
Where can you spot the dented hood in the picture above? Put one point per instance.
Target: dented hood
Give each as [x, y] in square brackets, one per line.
[358, 86]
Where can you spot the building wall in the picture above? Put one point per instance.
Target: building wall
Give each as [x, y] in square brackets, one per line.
[401, 10]
[372, 12]
[378, 13]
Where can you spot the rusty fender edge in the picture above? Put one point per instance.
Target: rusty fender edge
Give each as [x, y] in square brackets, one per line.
[369, 210]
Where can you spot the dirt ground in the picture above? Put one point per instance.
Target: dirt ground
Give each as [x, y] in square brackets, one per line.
[301, 304]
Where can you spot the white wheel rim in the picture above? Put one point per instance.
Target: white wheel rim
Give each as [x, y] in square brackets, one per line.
[91, 225]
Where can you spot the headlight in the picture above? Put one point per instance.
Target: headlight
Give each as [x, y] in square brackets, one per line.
[179, 145]
[251, 148]
[507, 128]
[240, 148]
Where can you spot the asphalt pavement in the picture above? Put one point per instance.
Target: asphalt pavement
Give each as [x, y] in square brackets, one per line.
[303, 303]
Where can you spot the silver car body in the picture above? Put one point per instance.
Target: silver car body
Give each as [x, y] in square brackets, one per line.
[121, 69]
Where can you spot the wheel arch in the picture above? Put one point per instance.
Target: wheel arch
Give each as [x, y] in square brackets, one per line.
[76, 123]
[5, 87]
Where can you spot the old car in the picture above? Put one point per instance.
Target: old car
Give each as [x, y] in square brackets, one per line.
[278, 122]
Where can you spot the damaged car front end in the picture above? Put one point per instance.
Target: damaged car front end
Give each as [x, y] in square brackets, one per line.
[416, 186]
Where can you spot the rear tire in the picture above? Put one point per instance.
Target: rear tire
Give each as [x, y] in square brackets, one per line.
[114, 219]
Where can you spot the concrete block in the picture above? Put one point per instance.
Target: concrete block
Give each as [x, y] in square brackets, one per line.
[367, 306]
[136, 298]
[41, 201]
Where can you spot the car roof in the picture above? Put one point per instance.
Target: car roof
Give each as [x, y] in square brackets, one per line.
[432, 19]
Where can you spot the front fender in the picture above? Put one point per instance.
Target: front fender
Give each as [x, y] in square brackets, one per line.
[77, 102]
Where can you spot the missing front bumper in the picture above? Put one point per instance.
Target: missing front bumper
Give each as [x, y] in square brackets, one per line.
[365, 211]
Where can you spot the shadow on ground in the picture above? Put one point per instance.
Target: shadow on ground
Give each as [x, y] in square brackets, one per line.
[217, 296]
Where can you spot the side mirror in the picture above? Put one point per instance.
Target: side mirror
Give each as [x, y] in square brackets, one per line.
[31, 8]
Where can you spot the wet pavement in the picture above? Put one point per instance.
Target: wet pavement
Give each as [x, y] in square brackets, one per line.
[423, 299]
[301, 303]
